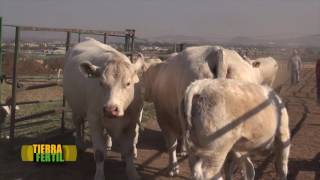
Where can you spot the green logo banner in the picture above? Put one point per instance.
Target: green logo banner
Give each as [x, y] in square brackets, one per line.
[49, 153]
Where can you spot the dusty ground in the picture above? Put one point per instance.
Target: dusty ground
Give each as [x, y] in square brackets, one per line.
[304, 158]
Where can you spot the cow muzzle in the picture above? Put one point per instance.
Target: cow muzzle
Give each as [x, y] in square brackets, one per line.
[112, 111]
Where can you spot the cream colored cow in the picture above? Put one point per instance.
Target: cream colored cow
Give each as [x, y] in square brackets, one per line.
[166, 82]
[101, 86]
[267, 67]
[224, 116]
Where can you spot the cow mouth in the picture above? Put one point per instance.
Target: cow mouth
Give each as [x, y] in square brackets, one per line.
[111, 115]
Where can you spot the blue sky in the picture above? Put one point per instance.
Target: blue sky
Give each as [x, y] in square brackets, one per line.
[202, 18]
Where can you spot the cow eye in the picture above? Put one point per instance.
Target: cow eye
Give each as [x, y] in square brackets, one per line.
[128, 83]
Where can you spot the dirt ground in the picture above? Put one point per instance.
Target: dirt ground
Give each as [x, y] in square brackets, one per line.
[304, 163]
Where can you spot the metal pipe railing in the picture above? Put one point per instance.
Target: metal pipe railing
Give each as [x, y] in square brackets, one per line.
[128, 34]
[31, 102]
[0, 55]
[63, 98]
[14, 83]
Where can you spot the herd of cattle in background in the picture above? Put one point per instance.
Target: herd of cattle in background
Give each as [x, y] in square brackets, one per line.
[217, 103]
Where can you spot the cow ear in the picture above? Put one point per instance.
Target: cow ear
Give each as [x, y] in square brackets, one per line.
[256, 64]
[91, 70]
[135, 78]
[139, 63]
[6, 109]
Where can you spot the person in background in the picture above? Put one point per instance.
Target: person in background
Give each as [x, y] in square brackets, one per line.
[318, 80]
[295, 67]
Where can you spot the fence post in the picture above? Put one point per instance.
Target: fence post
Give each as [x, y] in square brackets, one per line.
[63, 99]
[79, 36]
[14, 83]
[181, 47]
[1, 58]
[105, 38]
[132, 43]
[126, 43]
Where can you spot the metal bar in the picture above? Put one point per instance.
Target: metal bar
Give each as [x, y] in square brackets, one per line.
[14, 83]
[125, 49]
[35, 77]
[29, 124]
[20, 86]
[27, 81]
[32, 87]
[64, 99]
[79, 37]
[0, 56]
[105, 38]
[36, 115]
[181, 47]
[132, 44]
[71, 30]
[31, 102]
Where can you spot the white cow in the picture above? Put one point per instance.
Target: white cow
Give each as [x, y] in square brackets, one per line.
[5, 111]
[267, 67]
[101, 85]
[166, 82]
[225, 116]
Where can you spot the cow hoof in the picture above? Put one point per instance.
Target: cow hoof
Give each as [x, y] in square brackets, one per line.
[174, 170]
[108, 148]
[182, 154]
[135, 154]
[196, 175]
[134, 176]
[99, 177]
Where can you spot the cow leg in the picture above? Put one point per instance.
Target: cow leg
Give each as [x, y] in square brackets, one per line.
[173, 162]
[126, 145]
[78, 122]
[282, 149]
[136, 137]
[171, 140]
[197, 172]
[108, 141]
[230, 165]
[248, 168]
[171, 144]
[98, 141]
[213, 162]
[208, 168]
[181, 147]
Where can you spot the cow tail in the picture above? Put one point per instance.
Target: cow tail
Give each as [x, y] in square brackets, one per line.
[190, 92]
[221, 68]
[216, 63]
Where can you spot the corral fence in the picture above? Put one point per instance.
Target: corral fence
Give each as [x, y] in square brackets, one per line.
[28, 83]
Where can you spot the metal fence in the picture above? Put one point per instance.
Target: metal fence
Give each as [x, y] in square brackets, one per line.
[128, 35]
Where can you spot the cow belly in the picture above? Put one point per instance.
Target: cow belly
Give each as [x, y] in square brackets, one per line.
[74, 91]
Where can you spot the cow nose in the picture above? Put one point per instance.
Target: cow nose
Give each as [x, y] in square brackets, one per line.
[111, 110]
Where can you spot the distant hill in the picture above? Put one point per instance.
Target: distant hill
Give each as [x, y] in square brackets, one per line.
[311, 40]
[180, 39]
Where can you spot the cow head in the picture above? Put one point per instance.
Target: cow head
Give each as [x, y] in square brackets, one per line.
[116, 80]
[256, 64]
